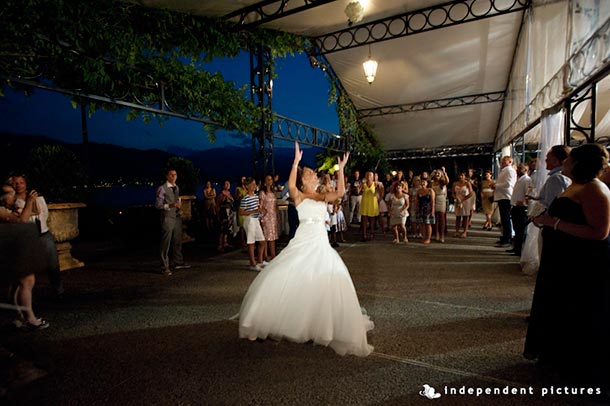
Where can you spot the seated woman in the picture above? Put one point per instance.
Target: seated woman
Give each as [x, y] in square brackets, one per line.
[17, 246]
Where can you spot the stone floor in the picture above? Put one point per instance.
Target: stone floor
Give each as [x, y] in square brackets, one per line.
[449, 315]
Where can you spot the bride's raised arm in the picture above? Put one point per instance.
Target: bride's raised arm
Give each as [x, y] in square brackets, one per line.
[295, 195]
[338, 194]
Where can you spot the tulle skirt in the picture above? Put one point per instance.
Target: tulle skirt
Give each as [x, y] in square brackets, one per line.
[306, 294]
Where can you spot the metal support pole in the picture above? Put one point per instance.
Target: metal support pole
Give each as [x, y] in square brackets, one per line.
[261, 95]
[85, 134]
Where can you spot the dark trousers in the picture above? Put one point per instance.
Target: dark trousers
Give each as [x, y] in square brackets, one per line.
[507, 228]
[293, 220]
[519, 220]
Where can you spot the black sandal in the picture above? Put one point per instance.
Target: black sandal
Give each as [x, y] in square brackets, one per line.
[33, 327]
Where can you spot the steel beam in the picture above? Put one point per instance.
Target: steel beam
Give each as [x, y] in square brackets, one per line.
[262, 95]
[575, 133]
[482, 98]
[269, 10]
[291, 130]
[413, 22]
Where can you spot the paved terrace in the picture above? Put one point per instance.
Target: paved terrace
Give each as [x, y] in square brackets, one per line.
[449, 315]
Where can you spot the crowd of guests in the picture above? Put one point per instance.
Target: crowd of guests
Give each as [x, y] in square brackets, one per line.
[412, 206]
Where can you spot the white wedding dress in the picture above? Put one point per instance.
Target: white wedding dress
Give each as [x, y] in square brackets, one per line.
[306, 293]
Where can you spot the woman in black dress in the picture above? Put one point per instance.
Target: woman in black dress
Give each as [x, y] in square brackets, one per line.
[569, 327]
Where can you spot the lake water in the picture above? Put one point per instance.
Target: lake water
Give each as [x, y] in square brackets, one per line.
[121, 197]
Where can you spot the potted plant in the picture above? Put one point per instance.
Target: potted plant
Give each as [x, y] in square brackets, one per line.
[188, 179]
[56, 173]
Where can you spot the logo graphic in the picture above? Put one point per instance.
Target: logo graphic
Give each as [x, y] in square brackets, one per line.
[429, 392]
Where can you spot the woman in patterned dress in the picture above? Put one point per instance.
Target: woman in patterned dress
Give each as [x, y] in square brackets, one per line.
[439, 183]
[226, 215]
[425, 210]
[269, 219]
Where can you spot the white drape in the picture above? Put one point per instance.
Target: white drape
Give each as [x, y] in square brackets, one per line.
[552, 133]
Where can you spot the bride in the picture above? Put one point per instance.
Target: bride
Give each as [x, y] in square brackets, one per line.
[306, 293]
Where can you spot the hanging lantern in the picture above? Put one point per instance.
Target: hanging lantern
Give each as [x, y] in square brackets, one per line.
[370, 68]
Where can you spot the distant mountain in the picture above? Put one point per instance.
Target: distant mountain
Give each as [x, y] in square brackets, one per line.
[116, 164]
[234, 162]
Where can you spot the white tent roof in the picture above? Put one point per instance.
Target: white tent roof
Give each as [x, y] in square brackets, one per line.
[456, 61]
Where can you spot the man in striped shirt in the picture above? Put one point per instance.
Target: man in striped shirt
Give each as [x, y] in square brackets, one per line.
[250, 208]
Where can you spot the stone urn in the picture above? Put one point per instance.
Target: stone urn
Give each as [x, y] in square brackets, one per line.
[187, 215]
[63, 223]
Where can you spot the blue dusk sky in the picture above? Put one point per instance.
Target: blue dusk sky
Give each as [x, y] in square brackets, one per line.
[299, 92]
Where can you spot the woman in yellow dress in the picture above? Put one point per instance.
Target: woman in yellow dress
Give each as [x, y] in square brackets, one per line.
[369, 208]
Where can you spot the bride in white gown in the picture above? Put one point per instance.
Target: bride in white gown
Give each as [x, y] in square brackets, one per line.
[306, 293]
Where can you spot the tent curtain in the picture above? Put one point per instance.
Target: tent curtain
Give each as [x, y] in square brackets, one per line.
[552, 133]
[543, 71]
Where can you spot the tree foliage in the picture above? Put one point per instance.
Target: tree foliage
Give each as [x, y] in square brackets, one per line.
[56, 173]
[128, 52]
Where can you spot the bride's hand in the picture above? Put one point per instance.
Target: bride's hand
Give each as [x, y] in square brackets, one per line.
[344, 161]
[298, 154]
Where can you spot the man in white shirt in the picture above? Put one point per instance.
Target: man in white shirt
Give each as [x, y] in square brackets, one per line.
[503, 191]
[518, 211]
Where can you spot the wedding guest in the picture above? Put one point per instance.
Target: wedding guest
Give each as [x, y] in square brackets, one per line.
[462, 194]
[413, 210]
[425, 210]
[40, 215]
[369, 206]
[567, 328]
[169, 205]
[20, 254]
[240, 191]
[341, 223]
[399, 211]
[556, 182]
[226, 215]
[487, 199]
[355, 197]
[250, 209]
[269, 218]
[209, 205]
[518, 211]
[503, 190]
[383, 207]
[440, 180]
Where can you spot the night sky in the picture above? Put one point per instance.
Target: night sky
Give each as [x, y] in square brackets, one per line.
[299, 92]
